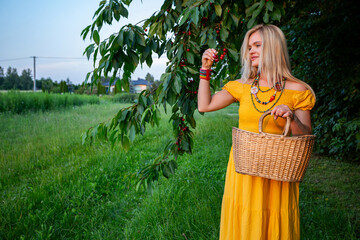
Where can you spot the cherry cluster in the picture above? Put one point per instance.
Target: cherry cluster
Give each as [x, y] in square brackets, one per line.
[183, 129]
[191, 85]
[216, 57]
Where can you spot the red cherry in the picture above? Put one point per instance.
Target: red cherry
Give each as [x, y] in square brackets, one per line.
[217, 31]
[145, 30]
[222, 57]
[225, 50]
[182, 119]
[188, 50]
[195, 92]
[178, 149]
[189, 33]
[177, 143]
[216, 59]
[228, 10]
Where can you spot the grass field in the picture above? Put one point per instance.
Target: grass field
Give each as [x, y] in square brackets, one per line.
[52, 187]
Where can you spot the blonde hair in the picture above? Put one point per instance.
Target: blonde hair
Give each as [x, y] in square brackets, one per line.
[274, 61]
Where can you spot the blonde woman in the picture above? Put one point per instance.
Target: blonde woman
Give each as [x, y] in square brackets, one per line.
[253, 207]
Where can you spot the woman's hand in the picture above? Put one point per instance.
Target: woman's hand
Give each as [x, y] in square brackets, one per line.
[208, 58]
[282, 111]
[300, 120]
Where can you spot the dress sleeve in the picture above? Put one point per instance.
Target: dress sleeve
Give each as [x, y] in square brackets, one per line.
[304, 100]
[235, 89]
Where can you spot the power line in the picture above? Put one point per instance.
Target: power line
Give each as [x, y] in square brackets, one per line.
[83, 58]
[13, 59]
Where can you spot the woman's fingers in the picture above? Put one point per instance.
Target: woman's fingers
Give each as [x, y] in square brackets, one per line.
[282, 111]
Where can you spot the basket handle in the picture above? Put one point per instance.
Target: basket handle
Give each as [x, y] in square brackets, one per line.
[286, 128]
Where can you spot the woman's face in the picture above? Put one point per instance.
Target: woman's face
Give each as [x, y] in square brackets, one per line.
[255, 45]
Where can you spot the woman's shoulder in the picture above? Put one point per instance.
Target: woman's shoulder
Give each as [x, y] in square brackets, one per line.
[294, 85]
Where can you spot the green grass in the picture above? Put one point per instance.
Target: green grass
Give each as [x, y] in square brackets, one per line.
[52, 187]
[20, 102]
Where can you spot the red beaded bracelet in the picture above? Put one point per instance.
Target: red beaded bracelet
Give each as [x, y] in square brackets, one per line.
[205, 74]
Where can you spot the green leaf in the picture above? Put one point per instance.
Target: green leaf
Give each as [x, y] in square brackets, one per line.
[256, 12]
[234, 54]
[144, 116]
[270, 5]
[276, 15]
[166, 171]
[177, 84]
[123, 11]
[153, 29]
[247, 2]
[218, 9]
[262, 3]
[195, 15]
[120, 38]
[96, 37]
[266, 17]
[132, 132]
[89, 51]
[140, 39]
[118, 85]
[185, 16]
[192, 70]
[134, 57]
[235, 19]
[190, 57]
[191, 120]
[224, 33]
[251, 23]
[212, 43]
[251, 9]
[173, 166]
[125, 143]
[85, 32]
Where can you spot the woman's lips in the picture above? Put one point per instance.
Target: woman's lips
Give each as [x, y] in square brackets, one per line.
[253, 58]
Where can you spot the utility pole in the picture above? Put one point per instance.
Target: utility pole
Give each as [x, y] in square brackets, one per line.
[34, 73]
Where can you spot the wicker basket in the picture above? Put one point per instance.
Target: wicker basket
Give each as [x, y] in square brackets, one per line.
[272, 156]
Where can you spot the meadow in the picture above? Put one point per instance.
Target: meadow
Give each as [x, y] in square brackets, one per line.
[20, 102]
[52, 187]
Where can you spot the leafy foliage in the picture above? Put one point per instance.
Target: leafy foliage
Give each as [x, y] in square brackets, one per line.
[11, 80]
[182, 30]
[325, 53]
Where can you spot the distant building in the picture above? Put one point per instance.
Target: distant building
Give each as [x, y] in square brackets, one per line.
[136, 86]
[139, 85]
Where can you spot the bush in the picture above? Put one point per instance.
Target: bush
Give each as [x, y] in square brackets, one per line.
[316, 35]
[16, 102]
[125, 97]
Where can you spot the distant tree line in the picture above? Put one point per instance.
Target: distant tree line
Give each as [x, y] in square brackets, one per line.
[12, 81]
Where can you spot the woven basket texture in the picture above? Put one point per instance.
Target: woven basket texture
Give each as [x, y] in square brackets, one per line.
[272, 156]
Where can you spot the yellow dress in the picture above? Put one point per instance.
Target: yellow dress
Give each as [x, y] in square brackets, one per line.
[255, 208]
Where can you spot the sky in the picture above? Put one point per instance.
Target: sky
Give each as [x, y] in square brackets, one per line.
[50, 30]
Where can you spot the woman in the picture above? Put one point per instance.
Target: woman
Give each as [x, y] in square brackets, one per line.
[254, 207]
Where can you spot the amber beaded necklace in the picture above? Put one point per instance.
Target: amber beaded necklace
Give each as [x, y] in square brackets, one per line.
[255, 90]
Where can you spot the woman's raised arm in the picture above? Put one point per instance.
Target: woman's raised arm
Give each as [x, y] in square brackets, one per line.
[206, 102]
